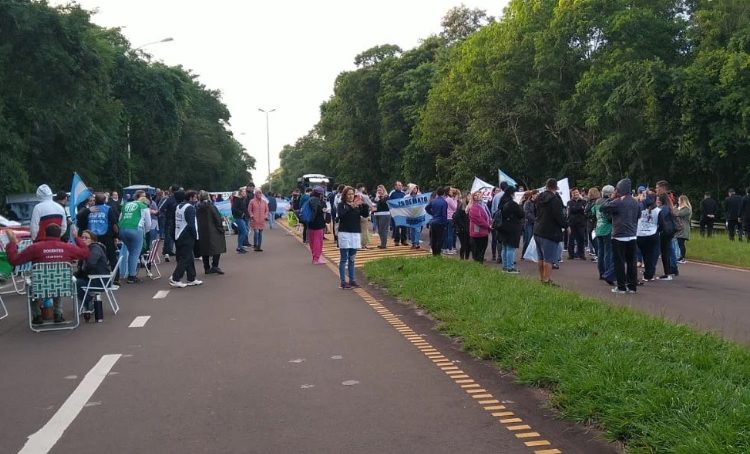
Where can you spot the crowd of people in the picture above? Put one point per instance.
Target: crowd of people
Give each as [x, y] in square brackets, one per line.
[619, 228]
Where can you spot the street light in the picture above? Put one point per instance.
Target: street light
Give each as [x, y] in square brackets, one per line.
[268, 146]
[130, 164]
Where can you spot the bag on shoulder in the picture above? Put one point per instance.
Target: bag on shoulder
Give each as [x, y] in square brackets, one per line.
[669, 224]
[306, 213]
[497, 219]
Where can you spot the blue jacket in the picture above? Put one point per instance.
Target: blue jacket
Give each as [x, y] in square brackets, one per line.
[438, 209]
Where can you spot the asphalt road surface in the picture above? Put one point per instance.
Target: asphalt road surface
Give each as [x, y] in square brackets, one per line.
[270, 358]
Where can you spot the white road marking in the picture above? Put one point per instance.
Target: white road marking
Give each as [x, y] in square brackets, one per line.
[350, 382]
[140, 321]
[45, 438]
[161, 294]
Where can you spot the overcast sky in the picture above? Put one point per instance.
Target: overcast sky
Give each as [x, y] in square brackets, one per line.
[282, 54]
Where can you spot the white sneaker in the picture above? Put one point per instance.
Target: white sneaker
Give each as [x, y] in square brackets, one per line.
[193, 283]
[177, 284]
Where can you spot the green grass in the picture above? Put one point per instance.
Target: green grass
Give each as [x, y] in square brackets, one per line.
[719, 249]
[655, 385]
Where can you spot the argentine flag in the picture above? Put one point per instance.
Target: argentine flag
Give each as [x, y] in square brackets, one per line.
[502, 176]
[79, 192]
[410, 211]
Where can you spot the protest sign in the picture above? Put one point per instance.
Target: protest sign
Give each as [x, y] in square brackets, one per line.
[484, 187]
[410, 211]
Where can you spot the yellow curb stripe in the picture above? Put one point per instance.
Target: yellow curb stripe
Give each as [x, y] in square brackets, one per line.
[481, 396]
[531, 444]
[510, 420]
[521, 427]
[468, 380]
[473, 385]
[547, 451]
[528, 435]
[454, 372]
[491, 401]
[503, 414]
[494, 407]
[474, 391]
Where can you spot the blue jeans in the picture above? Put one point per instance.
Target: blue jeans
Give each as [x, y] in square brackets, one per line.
[257, 238]
[450, 236]
[346, 261]
[415, 234]
[673, 248]
[605, 261]
[271, 220]
[241, 232]
[509, 257]
[132, 243]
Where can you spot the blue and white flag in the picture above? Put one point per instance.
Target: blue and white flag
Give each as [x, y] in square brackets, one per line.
[502, 176]
[79, 193]
[410, 211]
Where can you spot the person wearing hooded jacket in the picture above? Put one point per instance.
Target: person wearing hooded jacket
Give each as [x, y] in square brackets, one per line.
[317, 225]
[510, 232]
[548, 229]
[45, 213]
[603, 232]
[625, 212]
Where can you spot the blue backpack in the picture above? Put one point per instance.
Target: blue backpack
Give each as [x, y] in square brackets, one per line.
[306, 213]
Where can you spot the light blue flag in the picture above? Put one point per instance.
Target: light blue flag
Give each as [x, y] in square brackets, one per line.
[410, 211]
[502, 176]
[79, 192]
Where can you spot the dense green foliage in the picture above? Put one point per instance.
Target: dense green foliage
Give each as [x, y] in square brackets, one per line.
[594, 90]
[70, 94]
[652, 384]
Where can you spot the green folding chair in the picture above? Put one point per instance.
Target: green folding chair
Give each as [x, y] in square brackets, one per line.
[52, 280]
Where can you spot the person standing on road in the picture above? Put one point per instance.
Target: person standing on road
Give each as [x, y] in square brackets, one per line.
[211, 240]
[186, 234]
[593, 196]
[603, 231]
[529, 212]
[510, 232]
[438, 209]
[684, 213]
[451, 198]
[461, 222]
[272, 206]
[624, 211]
[709, 210]
[258, 210]
[647, 234]
[745, 212]
[399, 233]
[239, 202]
[479, 226]
[102, 220]
[317, 224]
[135, 218]
[349, 236]
[733, 207]
[667, 231]
[382, 216]
[576, 211]
[548, 228]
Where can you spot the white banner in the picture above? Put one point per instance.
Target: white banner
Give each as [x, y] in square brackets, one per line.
[486, 188]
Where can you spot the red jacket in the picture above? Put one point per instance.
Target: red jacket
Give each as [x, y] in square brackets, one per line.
[48, 250]
[479, 220]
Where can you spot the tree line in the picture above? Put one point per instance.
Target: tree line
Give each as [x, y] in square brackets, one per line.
[73, 95]
[593, 90]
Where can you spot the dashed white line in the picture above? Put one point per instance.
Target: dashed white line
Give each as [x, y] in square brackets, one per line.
[140, 321]
[45, 438]
[161, 294]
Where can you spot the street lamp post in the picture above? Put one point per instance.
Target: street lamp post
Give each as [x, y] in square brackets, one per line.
[268, 146]
[130, 164]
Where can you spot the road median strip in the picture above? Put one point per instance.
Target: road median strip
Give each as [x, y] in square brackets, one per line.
[653, 384]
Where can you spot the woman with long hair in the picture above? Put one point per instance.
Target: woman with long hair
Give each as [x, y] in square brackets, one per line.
[382, 215]
[461, 224]
[529, 213]
[349, 213]
[593, 196]
[647, 234]
[479, 226]
[684, 212]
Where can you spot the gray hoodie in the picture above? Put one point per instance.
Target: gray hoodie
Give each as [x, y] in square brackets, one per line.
[624, 211]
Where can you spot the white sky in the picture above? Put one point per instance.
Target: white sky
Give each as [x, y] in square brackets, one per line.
[282, 54]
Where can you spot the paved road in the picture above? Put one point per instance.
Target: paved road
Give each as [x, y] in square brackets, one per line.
[270, 358]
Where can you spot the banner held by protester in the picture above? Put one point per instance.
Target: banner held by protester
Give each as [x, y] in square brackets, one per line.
[410, 211]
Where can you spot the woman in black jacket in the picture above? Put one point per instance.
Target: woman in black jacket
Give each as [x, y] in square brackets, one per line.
[95, 265]
[211, 241]
[349, 212]
[461, 224]
[510, 231]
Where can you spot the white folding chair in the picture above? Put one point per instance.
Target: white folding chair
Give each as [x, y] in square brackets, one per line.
[152, 260]
[5, 309]
[20, 272]
[103, 283]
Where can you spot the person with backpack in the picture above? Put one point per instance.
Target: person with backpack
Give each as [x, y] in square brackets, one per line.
[101, 219]
[667, 231]
[510, 231]
[314, 211]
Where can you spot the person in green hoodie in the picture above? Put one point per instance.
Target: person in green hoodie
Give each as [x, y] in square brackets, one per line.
[134, 218]
[603, 232]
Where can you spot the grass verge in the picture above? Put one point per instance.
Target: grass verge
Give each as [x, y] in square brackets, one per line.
[655, 385]
[719, 250]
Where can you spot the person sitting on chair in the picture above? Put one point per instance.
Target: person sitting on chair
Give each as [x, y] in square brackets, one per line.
[48, 249]
[96, 264]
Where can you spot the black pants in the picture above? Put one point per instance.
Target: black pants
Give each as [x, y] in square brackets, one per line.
[577, 241]
[707, 226]
[683, 249]
[465, 251]
[185, 259]
[732, 225]
[112, 253]
[665, 245]
[649, 247]
[214, 261]
[625, 267]
[495, 246]
[478, 248]
[437, 235]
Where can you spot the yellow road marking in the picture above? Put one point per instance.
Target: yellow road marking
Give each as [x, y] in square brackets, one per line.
[503, 414]
[482, 396]
[473, 385]
[494, 407]
[528, 435]
[547, 451]
[465, 381]
[510, 420]
[521, 427]
[537, 443]
[474, 391]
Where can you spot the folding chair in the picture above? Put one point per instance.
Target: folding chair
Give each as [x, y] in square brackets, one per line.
[152, 260]
[20, 272]
[5, 309]
[52, 280]
[103, 283]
